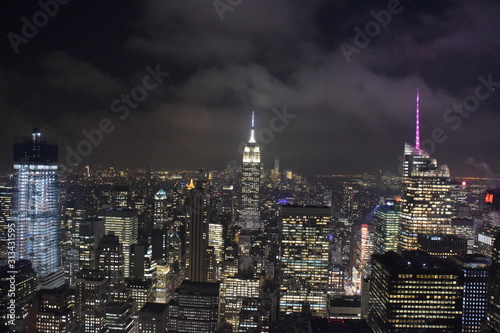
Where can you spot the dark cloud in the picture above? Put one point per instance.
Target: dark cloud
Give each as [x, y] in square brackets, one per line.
[350, 117]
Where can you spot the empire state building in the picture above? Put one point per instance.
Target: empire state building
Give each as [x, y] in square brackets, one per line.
[250, 184]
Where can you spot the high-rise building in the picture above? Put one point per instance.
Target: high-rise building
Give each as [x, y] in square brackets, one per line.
[36, 206]
[119, 318]
[168, 278]
[216, 240]
[414, 292]
[487, 234]
[141, 292]
[119, 196]
[110, 261]
[153, 318]
[160, 209]
[124, 224]
[492, 324]
[194, 308]
[142, 265]
[475, 269]
[91, 296]
[464, 228]
[254, 315]
[52, 312]
[304, 259]
[426, 197]
[250, 184]
[442, 246]
[364, 242]
[17, 288]
[387, 227]
[89, 234]
[232, 293]
[197, 235]
[336, 280]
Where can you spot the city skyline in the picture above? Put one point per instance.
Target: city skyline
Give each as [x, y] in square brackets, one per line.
[204, 70]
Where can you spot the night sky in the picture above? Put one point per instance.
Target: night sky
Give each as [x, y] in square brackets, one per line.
[351, 95]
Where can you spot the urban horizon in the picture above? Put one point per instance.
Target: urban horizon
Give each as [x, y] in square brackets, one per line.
[233, 166]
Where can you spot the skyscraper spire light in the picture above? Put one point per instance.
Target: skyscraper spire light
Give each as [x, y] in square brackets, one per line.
[252, 131]
[417, 129]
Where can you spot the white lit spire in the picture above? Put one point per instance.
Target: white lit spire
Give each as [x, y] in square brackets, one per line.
[252, 131]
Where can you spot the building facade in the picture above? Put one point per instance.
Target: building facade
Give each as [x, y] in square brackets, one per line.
[426, 206]
[250, 184]
[123, 223]
[414, 292]
[36, 204]
[304, 259]
[387, 227]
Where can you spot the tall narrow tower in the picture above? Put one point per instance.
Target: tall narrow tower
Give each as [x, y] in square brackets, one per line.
[426, 199]
[197, 235]
[36, 205]
[250, 183]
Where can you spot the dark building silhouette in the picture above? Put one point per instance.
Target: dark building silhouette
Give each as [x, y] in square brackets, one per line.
[194, 308]
[414, 292]
[197, 235]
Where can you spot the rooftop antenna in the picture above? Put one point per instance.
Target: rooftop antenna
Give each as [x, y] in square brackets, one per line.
[417, 129]
[252, 131]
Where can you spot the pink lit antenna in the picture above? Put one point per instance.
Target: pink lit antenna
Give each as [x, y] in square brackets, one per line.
[417, 130]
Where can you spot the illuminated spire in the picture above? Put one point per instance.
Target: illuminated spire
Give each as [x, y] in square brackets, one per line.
[191, 185]
[417, 129]
[252, 131]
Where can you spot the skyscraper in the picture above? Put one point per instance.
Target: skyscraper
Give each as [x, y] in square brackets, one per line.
[475, 269]
[110, 261]
[363, 242]
[414, 292]
[153, 318]
[216, 240]
[160, 209]
[426, 199]
[232, 293]
[17, 289]
[124, 224]
[304, 259]
[197, 235]
[89, 235]
[91, 297]
[250, 183]
[387, 227]
[51, 311]
[36, 205]
[194, 307]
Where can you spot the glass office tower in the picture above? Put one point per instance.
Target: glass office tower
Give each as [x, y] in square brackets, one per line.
[304, 259]
[36, 205]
